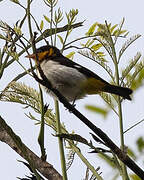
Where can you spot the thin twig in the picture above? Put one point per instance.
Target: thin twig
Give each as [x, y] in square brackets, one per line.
[133, 126]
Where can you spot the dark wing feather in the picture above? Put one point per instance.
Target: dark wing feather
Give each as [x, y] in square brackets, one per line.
[121, 91]
[67, 62]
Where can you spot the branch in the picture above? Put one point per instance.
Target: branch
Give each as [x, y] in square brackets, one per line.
[46, 169]
[109, 143]
[46, 34]
[52, 31]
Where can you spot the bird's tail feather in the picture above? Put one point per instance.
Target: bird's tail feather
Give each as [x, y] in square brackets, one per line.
[121, 91]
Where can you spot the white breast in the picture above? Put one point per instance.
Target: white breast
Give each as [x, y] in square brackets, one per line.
[65, 79]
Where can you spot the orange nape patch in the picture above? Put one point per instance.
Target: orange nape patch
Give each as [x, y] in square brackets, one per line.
[93, 86]
[41, 55]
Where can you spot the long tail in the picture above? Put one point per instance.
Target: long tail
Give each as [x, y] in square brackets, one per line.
[121, 91]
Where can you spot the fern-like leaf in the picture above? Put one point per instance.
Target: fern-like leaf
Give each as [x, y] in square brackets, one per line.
[109, 101]
[138, 69]
[104, 33]
[131, 65]
[119, 31]
[22, 94]
[98, 58]
[29, 97]
[86, 174]
[70, 158]
[58, 16]
[70, 55]
[105, 44]
[127, 44]
[93, 177]
[91, 30]
[113, 28]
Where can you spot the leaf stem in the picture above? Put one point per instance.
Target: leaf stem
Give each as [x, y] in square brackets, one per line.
[115, 61]
[51, 14]
[42, 128]
[85, 161]
[60, 141]
[41, 133]
[133, 126]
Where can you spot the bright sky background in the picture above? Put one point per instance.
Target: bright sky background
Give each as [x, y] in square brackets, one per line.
[91, 11]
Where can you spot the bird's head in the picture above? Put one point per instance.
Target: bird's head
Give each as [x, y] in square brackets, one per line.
[45, 52]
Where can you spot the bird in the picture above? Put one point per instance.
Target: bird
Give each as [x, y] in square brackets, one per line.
[71, 79]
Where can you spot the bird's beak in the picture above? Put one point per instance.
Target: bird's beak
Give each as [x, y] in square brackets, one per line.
[40, 55]
[33, 56]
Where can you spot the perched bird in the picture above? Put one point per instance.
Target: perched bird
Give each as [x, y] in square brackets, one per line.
[72, 80]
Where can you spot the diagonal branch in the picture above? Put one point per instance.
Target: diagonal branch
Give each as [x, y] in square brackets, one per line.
[46, 169]
[52, 31]
[109, 143]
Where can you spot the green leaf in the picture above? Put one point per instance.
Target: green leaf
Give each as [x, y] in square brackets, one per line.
[113, 27]
[97, 58]
[47, 19]
[2, 37]
[108, 159]
[123, 31]
[132, 80]
[91, 29]
[73, 137]
[140, 144]
[90, 43]
[86, 44]
[60, 38]
[41, 25]
[69, 31]
[135, 177]
[98, 110]
[58, 16]
[17, 30]
[101, 27]
[51, 3]
[138, 82]
[131, 65]
[128, 43]
[70, 55]
[131, 153]
[20, 93]
[117, 32]
[15, 1]
[101, 54]
[96, 47]
[29, 115]
[71, 16]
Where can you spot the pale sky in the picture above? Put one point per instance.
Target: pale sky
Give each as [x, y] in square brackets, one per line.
[91, 11]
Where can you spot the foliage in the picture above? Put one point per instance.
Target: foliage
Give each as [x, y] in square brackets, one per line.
[97, 110]
[99, 45]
